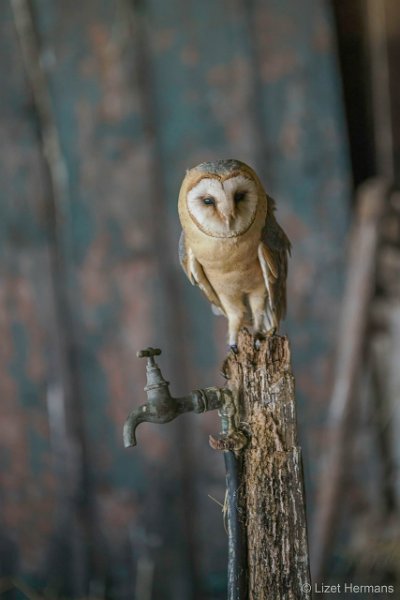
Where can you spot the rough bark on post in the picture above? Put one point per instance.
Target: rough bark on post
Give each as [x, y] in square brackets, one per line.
[272, 495]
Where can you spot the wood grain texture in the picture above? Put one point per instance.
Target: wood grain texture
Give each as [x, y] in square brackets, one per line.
[272, 494]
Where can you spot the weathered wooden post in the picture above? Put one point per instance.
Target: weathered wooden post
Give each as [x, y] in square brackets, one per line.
[271, 495]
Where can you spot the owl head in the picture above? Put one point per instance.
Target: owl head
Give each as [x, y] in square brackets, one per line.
[222, 199]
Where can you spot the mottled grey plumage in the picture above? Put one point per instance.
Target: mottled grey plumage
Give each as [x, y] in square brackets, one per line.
[220, 167]
[276, 248]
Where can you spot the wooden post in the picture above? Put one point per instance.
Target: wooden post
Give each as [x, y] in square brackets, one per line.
[271, 497]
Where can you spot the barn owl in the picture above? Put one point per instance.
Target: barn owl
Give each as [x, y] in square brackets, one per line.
[232, 247]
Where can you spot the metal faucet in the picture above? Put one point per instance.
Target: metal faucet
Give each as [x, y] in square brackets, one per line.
[161, 407]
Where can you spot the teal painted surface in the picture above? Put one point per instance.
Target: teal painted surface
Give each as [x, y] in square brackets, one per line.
[27, 479]
[139, 95]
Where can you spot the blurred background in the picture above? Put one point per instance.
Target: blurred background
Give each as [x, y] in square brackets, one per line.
[104, 105]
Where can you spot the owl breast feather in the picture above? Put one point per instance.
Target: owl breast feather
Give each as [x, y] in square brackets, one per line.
[230, 263]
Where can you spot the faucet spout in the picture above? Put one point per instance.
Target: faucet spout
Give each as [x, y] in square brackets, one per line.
[158, 410]
[134, 419]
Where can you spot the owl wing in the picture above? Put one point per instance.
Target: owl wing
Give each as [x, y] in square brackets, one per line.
[273, 254]
[196, 275]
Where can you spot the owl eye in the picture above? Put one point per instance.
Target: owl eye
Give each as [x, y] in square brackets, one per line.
[239, 196]
[209, 201]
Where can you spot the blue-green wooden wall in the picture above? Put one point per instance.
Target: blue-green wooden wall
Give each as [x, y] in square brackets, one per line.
[140, 91]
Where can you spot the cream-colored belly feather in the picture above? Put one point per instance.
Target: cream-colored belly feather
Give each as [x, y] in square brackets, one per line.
[231, 266]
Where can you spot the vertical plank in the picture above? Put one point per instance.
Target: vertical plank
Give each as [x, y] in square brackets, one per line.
[393, 51]
[28, 483]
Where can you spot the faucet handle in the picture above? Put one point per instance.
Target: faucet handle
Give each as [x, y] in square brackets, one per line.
[148, 352]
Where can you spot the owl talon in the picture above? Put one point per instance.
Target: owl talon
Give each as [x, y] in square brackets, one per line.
[234, 348]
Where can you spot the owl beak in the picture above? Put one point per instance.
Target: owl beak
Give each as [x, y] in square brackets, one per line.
[229, 219]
